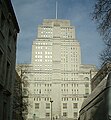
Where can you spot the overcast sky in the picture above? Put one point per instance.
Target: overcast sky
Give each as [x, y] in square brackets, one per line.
[30, 14]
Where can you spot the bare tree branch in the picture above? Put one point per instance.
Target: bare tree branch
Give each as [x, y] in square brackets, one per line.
[102, 15]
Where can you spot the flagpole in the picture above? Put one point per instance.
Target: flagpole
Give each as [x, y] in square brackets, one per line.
[56, 10]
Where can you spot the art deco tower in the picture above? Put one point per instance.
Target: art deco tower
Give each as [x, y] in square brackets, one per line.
[56, 48]
[57, 72]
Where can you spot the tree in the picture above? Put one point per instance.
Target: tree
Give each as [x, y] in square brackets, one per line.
[102, 15]
[22, 70]
[17, 101]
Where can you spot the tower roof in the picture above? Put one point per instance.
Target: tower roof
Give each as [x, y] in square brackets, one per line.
[60, 22]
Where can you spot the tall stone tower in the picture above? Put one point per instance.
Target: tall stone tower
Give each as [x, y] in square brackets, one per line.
[57, 74]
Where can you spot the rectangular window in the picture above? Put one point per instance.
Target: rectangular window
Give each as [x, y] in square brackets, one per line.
[40, 91]
[4, 111]
[75, 115]
[47, 114]
[47, 105]
[2, 21]
[75, 105]
[64, 114]
[87, 85]
[0, 17]
[1, 57]
[36, 105]
[9, 41]
[87, 91]
[8, 73]
[64, 105]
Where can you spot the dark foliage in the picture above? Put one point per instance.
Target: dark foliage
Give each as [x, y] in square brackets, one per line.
[102, 15]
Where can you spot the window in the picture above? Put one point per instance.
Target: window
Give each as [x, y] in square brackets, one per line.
[47, 105]
[86, 78]
[40, 60]
[64, 105]
[87, 91]
[4, 110]
[35, 56]
[45, 52]
[9, 40]
[40, 91]
[75, 105]
[65, 114]
[48, 100]
[87, 85]
[1, 56]
[75, 115]
[39, 56]
[47, 114]
[38, 99]
[8, 72]
[36, 105]
[2, 22]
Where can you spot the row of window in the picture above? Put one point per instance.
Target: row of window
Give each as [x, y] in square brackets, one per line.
[69, 79]
[50, 77]
[69, 92]
[66, 55]
[75, 105]
[62, 59]
[40, 56]
[46, 28]
[40, 43]
[48, 31]
[64, 114]
[41, 92]
[73, 99]
[66, 85]
[45, 99]
[46, 36]
[51, 35]
[46, 60]
[74, 91]
[63, 43]
[62, 85]
[48, 105]
[63, 74]
[43, 78]
[46, 85]
[50, 68]
[58, 23]
[64, 50]
[42, 74]
[43, 69]
[49, 65]
[48, 99]
[48, 53]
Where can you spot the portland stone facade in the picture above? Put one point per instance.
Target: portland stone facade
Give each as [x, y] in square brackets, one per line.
[58, 82]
